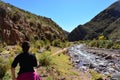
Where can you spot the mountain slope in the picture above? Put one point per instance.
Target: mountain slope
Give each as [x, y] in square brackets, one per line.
[106, 23]
[17, 25]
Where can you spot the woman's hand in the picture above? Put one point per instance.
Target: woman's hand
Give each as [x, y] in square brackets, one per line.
[35, 69]
[14, 78]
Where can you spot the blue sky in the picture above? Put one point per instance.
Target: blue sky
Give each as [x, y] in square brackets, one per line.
[68, 14]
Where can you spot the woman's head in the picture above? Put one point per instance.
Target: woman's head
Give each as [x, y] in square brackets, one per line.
[25, 46]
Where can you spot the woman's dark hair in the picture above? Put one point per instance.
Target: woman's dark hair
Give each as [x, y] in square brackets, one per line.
[25, 46]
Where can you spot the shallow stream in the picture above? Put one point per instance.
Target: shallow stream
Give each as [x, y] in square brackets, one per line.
[84, 60]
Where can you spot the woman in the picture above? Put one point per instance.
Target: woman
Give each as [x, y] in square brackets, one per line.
[27, 62]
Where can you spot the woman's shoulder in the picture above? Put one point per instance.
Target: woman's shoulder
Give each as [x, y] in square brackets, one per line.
[25, 55]
[31, 54]
[18, 56]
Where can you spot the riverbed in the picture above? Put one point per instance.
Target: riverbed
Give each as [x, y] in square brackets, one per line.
[104, 61]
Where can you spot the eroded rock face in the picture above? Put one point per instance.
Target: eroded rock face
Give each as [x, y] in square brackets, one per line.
[8, 31]
[10, 34]
[17, 25]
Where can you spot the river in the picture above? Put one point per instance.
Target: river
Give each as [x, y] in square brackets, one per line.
[85, 60]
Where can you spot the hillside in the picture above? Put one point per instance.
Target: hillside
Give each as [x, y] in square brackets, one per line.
[106, 23]
[17, 25]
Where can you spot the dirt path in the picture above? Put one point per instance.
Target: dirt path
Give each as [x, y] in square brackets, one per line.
[85, 76]
[60, 51]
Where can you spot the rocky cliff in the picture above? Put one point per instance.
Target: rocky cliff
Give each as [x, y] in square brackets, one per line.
[106, 23]
[17, 25]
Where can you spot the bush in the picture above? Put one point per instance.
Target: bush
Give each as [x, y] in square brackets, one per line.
[95, 75]
[2, 45]
[101, 43]
[56, 43]
[17, 50]
[93, 43]
[3, 69]
[108, 44]
[48, 48]
[1, 49]
[39, 43]
[116, 46]
[101, 37]
[59, 43]
[47, 42]
[104, 44]
[66, 44]
[45, 59]
[16, 16]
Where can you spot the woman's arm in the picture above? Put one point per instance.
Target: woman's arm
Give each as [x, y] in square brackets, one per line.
[13, 73]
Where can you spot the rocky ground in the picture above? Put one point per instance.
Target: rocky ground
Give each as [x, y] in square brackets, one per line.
[105, 53]
[104, 61]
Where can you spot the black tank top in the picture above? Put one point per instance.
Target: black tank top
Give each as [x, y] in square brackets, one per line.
[27, 62]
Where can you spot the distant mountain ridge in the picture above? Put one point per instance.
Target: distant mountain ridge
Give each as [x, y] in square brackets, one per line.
[17, 25]
[106, 23]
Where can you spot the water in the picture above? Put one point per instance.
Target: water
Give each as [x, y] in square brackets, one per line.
[84, 61]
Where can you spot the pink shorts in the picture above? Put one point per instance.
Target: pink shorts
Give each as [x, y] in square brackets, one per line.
[29, 76]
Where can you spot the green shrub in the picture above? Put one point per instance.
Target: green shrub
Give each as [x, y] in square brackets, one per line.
[48, 48]
[104, 44]
[59, 43]
[47, 42]
[101, 43]
[49, 78]
[56, 43]
[93, 43]
[66, 44]
[16, 16]
[3, 69]
[2, 45]
[116, 46]
[18, 49]
[0, 60]
[45, 59]
[1, 49]
[39, 43]
[101, 37]
[95, 75]
[108, 44]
